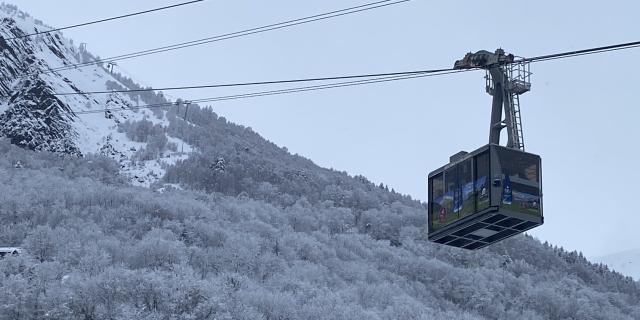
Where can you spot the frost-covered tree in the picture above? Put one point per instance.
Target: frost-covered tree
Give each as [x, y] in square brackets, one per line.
[259, 239]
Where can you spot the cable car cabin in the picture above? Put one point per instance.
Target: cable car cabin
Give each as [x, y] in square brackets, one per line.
[485, 196]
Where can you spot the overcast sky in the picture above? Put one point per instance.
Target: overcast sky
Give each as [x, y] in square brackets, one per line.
[581, 115]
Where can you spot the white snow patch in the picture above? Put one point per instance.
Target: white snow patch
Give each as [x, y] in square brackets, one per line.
[96, 132]
[3, 107]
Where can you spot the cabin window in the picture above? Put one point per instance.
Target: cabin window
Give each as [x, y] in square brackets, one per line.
[437, 201]
[451, 194]
[481, 184]
[521, 181]
[465, 186]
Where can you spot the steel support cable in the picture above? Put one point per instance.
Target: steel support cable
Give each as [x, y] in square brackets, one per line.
[271, 82]
[418, 75]
[583, 54]
[264, 93]
[105, 20]
[284, 91]
[323, 86]
[575, 53]
[237, 34]
[533, 59]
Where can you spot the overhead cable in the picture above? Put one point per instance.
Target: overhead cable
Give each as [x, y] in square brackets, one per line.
[271, 82]
[283, 91]
[232, 35]
[554, 56]
[575, 53]
[105, 20]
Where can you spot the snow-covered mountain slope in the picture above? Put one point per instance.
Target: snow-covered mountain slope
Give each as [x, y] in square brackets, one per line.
[256, 232]
[625, 262]
[33, 116]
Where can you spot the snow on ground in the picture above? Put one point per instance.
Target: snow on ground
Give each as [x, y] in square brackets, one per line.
[3, 107]
[95, 129]
[145, 173]
[97, 132]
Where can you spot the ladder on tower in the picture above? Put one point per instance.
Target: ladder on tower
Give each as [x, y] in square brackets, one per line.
[518, 135]
[519, 75]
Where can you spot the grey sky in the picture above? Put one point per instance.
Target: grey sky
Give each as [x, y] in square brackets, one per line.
[581, 115]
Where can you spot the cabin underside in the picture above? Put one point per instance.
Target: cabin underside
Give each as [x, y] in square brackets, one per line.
[485, 229]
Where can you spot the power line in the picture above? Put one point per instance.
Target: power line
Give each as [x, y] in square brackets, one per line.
[242, 84]
[105, 20]
[266, 28]
[286, 91]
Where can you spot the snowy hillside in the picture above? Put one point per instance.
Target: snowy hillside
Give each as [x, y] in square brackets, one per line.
[96, 248]
[626, 262]
[33, 116]
[240, 229]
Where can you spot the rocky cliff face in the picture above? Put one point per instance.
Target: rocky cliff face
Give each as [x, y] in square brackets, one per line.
[34, 115]
[38, 120]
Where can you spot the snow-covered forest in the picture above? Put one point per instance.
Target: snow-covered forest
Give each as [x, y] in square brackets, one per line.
[127, 226]
[97, 248]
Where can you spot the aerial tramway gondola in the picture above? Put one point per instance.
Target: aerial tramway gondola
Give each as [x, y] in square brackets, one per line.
[494, 192]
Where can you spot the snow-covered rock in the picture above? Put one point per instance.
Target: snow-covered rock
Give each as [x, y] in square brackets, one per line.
[35, 116]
